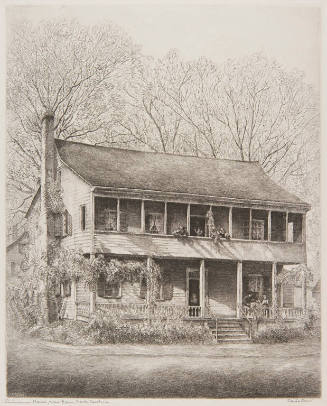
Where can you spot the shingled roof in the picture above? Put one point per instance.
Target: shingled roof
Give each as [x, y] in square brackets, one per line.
[130, 169]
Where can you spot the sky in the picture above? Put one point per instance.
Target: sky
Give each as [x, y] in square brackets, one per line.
[289, 34]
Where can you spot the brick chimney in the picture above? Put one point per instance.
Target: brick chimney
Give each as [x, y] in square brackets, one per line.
[48, 173]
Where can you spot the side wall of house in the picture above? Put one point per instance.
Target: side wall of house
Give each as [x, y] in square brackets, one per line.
[76, 193]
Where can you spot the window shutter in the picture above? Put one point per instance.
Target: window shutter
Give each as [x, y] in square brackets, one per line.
[51, 225]
[100, 286]
[69, 224]
[288, 296]
[167, 288]
[67, 288]
[58, 223]
[64, 223]
[143, 288]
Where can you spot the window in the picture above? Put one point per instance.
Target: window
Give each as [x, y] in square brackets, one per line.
[67, 223]
[108, 289]
[130, 215]
[288, 296]
[258, 229]
[66, 288]
[105, 213]
[154, 217]
[83, 217]
[278, 226]
[59, 178]
[294, 227]
[176, 217]
[198, 220]
[259, 224]
[241, 218]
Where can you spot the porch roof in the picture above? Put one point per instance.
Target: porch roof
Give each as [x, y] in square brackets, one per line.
[169, 173]
[197, 248]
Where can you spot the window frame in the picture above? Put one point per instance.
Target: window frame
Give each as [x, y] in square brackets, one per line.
[118, 296]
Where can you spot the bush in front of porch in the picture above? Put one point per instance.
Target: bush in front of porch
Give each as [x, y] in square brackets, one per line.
[109, 328]
[281, 331]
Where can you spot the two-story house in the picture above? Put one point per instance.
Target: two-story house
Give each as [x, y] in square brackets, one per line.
[133, 204]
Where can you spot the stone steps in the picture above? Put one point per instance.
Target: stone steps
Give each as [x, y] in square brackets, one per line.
[228, 331]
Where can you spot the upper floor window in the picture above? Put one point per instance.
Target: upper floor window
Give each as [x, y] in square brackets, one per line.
[130, 215]
[278, 226]
[154, 217]
[105, 213]
[83, 217]
[176, 217]
[198, 220]
[294, 227]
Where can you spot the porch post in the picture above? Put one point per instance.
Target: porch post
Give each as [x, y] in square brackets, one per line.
[239, 292]
[304, 228]
[269, 225]
[202, 287]
[148, 265]
[92, 292]
[188, 219]
[250, 225]
[118, 214]
[274, 288]
[230, 222]
[142, 217]
[165, 219]
[304, 295]
[286, 227]
[74, 299]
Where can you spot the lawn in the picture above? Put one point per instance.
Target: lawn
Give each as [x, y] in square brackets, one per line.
[47, 370]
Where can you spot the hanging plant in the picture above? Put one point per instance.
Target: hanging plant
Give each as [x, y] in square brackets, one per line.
[216, 233]
[180, 232]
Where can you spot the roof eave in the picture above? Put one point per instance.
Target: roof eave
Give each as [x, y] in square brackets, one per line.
[219, 199]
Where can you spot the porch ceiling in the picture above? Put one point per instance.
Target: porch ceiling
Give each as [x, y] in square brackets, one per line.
[170, 247]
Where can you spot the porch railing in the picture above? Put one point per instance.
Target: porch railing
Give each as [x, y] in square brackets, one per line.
[159, 310]
[82, 309]
[268, 313]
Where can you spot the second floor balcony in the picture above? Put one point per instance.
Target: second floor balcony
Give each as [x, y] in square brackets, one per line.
[139, 216]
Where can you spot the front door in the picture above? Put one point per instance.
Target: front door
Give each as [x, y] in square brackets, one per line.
[194, 293]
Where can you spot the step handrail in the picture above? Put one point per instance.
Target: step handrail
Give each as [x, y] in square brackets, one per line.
[244, 315]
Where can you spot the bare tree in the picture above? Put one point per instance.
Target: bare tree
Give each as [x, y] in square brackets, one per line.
[72, 70]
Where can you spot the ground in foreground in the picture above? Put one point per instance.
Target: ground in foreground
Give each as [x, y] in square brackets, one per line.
[237, 371]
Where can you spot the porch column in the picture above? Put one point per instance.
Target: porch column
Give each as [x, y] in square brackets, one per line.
[304, 227]
[230, 222]
[142, 217]
[304, 295]
[148, 265]
[188, 219]
[274, 288]
[74, 299]
[118, 214]
[250, 225]
[92, 292]
[202, 287]
[239, 287]
[286, 227]
[165, 219]
[269, 225]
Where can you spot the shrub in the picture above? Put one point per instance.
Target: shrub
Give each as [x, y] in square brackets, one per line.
[281, 333]
[110, 328]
